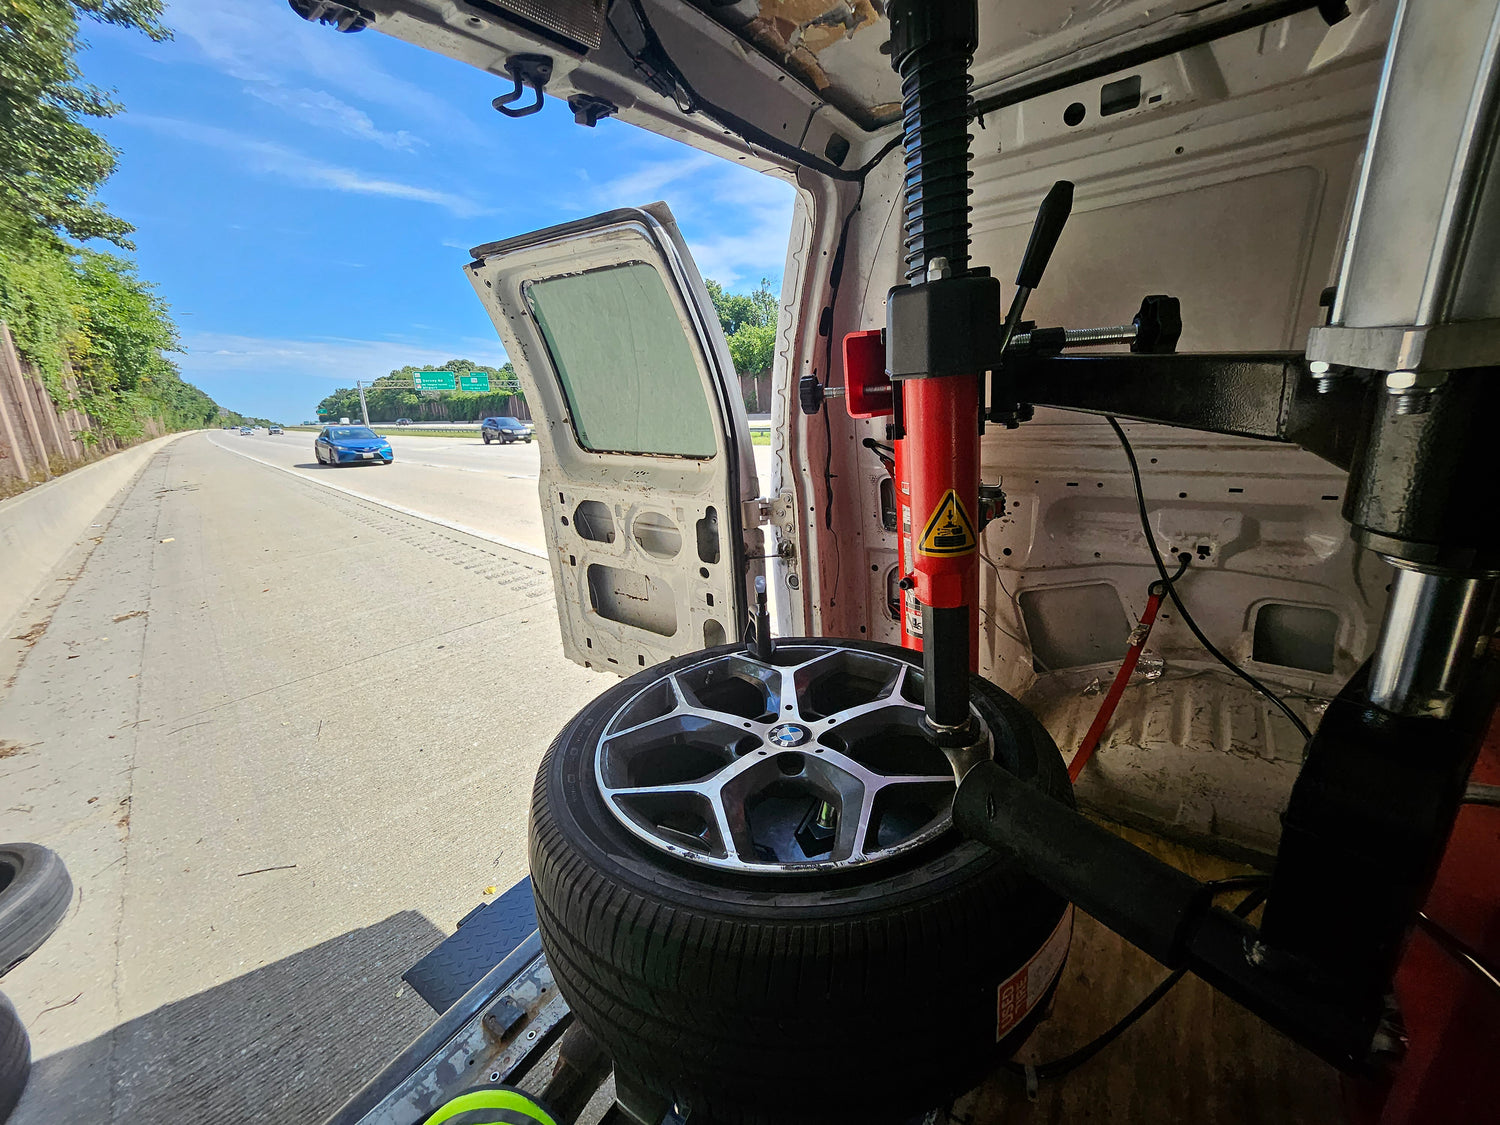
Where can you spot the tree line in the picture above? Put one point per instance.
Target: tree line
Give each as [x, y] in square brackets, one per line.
[748, 321]
[73, 310]
[391, 397]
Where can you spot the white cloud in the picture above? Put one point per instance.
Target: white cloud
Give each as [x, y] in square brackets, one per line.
[331, 358]
[278, 160]
[265, 44]
[322, 108]
[736, 221]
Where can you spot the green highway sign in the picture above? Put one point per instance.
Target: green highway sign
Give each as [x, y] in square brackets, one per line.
[474, 381]
[433, 380]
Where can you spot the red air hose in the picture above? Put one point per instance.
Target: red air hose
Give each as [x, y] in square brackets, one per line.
[1138, 637]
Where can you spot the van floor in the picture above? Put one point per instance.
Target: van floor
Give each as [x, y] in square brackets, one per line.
[1197, 1056]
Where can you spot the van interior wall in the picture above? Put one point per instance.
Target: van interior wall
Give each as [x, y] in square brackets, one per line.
[1225, 184]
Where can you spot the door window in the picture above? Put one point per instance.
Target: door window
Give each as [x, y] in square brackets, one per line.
[625, 363]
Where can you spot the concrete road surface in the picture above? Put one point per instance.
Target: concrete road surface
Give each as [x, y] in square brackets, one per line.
[490, 490]
[284, 738]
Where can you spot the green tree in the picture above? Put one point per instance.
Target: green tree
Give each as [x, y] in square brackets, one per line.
[753, 348]
[388, 400]
[758, 308]
[749, 323]
[67, 306]
[51, 162]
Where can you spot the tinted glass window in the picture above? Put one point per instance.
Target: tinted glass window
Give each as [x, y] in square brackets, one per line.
[625, 362]
[347, 432]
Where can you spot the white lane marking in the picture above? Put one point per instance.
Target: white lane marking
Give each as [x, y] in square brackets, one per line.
[428, 516]
[408, 460]
[459, 468]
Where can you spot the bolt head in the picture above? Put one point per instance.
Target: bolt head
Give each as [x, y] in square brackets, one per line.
[1401, 380]
[938, 268]
[1318, 367]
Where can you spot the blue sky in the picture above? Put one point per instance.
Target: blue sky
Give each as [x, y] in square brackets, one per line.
[304, 200]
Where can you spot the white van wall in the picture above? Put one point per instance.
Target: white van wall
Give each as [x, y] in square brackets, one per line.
[1226, 186]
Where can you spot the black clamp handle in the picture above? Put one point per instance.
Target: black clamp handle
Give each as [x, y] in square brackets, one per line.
[1051, 217]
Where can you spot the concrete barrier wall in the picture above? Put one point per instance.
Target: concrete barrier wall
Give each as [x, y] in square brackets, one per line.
[40, 527]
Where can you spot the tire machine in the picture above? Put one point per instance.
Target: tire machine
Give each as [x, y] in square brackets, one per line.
[1398, 388]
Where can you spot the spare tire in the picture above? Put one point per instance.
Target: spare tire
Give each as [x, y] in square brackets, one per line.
[15, 1058]
[34, 894]
[730, 969]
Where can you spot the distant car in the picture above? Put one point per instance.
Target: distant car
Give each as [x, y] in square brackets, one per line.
[274, 430]
[505, 430]
[403, 421]
[245, 430]
[351, 445]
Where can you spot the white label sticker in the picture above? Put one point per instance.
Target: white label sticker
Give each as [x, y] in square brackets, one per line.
[1023, 990]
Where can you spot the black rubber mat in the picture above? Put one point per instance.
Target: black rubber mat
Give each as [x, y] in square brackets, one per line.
[486, 936]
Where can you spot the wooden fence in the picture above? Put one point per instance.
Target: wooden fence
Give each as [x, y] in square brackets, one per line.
[38, 439]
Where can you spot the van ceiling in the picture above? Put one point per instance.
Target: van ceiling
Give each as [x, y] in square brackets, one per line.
[841, 48]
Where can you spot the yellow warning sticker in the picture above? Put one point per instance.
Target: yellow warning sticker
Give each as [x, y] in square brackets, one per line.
[949, 531]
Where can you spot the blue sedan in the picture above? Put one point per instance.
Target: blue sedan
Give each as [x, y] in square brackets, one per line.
[351, 445]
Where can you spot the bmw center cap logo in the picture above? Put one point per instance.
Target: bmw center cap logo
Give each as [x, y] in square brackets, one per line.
[789, 734]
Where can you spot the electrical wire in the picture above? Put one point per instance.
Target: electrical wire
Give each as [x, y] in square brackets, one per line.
[1459, 950]
[1138, 638]
[1057, 1068]
[1478, 793]
[1037, 663]
[1182, 610]
[654, 59]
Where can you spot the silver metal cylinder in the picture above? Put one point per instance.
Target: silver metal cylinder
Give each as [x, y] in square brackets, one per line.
[1081, 337]
[1433, 626]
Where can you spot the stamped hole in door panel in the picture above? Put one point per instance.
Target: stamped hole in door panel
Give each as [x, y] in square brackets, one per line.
[657, 535]
[1296, 636]
[632, 599]
[592, 520]
[708, 536]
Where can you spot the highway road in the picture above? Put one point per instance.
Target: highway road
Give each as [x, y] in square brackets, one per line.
[281, 721]
[489, 490]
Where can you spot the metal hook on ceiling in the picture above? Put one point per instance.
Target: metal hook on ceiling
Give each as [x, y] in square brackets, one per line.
[525, 70]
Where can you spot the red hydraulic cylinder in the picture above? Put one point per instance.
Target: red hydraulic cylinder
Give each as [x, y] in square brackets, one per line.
[937, 494]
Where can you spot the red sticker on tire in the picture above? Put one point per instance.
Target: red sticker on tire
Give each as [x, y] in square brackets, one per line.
[1023, 990]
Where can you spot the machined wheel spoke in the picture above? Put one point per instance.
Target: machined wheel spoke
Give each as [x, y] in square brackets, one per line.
[793, 766]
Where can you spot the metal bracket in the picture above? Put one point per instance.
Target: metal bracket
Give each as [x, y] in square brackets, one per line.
[329, 13]
[1439, 347]
[525, 70]
[764, 511]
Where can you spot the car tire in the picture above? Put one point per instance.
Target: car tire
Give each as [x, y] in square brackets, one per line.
[35, 891]
[486, 438]
[15, 1058]
[756, 999]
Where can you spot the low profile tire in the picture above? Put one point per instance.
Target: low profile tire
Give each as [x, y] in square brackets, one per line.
[15, 1058]
[34, 894]
[856, 993]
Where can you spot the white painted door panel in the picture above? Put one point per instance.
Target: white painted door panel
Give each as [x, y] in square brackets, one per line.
[645, 451]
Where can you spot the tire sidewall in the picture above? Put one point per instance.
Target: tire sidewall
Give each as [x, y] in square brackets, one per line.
[567, 785]
[695, 978]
